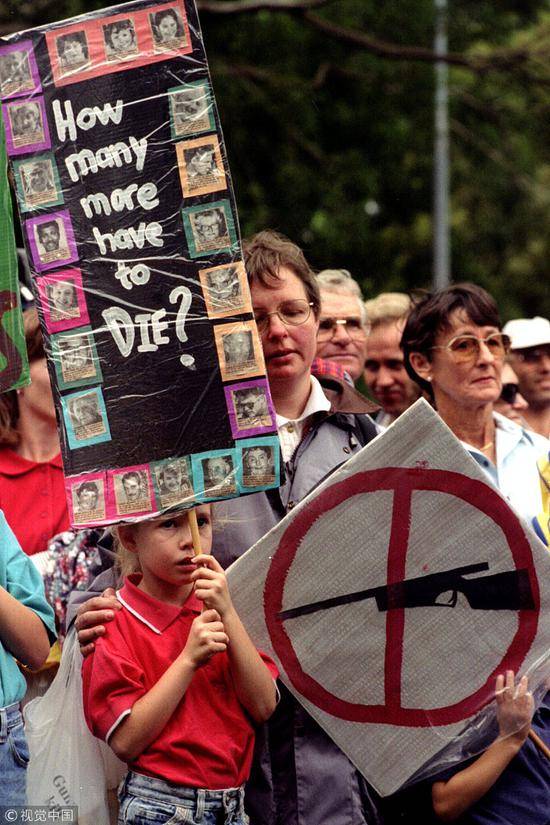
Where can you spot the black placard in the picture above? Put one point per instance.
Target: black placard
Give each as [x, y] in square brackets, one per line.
[131, 229]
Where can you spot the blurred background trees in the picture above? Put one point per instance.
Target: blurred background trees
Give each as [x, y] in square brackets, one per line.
[327, 111]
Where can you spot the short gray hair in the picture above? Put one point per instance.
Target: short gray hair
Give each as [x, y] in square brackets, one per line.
[341, 282]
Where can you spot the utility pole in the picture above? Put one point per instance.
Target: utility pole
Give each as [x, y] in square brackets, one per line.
[441, 244]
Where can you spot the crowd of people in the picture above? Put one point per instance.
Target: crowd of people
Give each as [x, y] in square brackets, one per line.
[171, 679]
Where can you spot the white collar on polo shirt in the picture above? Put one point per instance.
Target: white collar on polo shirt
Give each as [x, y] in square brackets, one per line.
[290, 430]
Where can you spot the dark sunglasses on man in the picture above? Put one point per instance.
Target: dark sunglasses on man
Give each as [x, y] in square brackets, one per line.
[509, 393]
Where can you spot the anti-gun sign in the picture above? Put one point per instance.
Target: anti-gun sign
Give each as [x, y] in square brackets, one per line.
[131, 230]
[393, 596]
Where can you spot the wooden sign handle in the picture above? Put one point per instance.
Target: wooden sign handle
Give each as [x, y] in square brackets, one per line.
[195, 535]
[542, 746]
[192, 516]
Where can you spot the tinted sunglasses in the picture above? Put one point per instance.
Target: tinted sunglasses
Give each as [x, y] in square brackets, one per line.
[468, 347]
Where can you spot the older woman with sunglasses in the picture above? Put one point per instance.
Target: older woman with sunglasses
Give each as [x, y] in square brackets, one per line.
[455, 350]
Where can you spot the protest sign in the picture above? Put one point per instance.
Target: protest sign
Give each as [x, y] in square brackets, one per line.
[130, 225]
[392, 597]
[14, 364]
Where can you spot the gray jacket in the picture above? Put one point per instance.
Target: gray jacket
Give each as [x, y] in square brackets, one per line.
[299, 776]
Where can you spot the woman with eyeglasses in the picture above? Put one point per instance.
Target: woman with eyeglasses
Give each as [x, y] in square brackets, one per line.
[455, 350]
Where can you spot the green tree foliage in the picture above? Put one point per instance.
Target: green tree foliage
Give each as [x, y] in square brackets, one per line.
[328, 119]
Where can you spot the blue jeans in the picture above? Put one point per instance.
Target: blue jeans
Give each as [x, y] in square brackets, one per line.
[145, 801]
[14, 756]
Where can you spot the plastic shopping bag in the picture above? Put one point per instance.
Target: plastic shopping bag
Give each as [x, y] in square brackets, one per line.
[68, 765]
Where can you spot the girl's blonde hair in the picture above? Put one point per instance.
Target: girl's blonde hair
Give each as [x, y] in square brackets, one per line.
[126, 562]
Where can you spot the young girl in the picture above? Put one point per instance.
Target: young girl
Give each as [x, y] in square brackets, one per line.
[175, 685]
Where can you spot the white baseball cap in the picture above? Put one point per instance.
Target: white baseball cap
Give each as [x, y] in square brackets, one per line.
[528, 332]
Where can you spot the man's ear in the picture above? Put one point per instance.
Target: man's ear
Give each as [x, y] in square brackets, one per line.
[127, 537]
[421, 365]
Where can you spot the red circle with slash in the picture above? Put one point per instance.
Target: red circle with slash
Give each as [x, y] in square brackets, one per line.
[403, 482]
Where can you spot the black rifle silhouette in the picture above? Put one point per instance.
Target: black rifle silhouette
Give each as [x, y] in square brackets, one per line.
[510, 590]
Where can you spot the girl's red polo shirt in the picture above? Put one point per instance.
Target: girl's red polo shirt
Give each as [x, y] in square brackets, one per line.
[208, 742]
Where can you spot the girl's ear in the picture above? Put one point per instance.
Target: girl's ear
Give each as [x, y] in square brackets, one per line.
[127, 537]
[421, 365]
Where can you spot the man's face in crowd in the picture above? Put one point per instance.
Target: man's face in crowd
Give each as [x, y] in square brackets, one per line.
[346, 344]
[288, 351]
[532, 367]
[385, 373]
[48, 236]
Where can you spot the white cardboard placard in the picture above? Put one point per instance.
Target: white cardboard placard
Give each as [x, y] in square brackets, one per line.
[395, 640]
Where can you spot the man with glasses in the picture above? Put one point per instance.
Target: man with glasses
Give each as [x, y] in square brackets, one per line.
[530, 359]
[343, 325]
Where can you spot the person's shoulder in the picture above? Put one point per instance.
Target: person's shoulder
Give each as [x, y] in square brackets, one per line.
[11, 552]
[539, 441]
[19, 575]
[530, 437]
[118, 632]
[113, 652]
